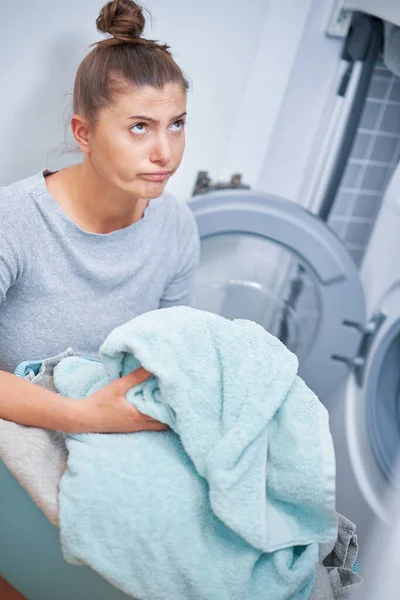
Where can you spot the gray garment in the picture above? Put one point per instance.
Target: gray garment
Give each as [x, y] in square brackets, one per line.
[30, 376]
[45, 375]
[37, 457]
[61, 286]
[335, 578]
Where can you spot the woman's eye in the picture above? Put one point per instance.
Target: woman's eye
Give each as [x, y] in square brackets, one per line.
[142, 128]
[181, 124]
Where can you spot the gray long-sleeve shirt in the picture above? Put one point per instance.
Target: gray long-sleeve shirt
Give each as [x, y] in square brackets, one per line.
[61, 286]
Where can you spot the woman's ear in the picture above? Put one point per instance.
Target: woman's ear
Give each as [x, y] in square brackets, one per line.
[80, 130]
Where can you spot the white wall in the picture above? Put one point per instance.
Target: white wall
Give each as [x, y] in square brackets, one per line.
[238, 58]
[265, 89]
[306, 108]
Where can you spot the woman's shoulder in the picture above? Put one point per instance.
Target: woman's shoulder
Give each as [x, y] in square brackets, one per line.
[16, 199]
[17, 224]
[180, 213]
[185, 230]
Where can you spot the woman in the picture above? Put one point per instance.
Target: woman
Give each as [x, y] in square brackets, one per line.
[89, 247]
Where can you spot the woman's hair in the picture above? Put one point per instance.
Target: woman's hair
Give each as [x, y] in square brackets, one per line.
[126, 59]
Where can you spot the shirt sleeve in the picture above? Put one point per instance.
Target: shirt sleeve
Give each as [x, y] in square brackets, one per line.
[179, 289]
[10, 250]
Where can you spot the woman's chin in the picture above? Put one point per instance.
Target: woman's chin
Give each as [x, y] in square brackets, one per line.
[154, 188]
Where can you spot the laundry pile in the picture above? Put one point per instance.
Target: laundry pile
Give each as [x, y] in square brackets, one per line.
[235, 499]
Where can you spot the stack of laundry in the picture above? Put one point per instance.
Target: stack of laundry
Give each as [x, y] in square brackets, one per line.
[236, 500]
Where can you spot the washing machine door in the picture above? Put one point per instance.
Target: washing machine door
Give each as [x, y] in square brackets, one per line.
[269, 260]
[373, 406]
[379, 384]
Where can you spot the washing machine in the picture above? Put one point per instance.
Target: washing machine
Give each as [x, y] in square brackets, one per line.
[365, 412]
[270, 260]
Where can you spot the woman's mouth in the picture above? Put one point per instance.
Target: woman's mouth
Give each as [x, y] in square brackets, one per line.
[156, 176]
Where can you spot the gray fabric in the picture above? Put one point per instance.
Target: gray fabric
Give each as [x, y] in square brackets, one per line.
[335, 578]
[61, 286]
[30, 376]
[45, 376]
[344, 552]
[37, 457]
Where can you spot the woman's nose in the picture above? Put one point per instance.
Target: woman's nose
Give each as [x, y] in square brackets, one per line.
[161, 151]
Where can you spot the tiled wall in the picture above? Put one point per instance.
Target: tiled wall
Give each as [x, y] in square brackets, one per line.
[375, 153]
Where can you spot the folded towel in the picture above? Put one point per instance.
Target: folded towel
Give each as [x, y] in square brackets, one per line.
[230, 503]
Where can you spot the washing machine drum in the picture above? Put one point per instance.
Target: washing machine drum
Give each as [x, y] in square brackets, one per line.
[250, 277]
[269, 260]
[383, 397]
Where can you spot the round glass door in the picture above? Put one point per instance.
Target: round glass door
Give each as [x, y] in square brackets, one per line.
[269, 260]
[246, 276]
[372, 408]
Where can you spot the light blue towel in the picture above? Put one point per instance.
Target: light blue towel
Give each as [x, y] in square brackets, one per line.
[229, 504]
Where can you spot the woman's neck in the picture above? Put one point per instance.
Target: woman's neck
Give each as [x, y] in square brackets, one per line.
[90, 202]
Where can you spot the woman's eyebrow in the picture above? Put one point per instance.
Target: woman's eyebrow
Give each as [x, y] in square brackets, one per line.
[151, 120]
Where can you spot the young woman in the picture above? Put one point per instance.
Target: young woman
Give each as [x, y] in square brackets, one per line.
[89, 247]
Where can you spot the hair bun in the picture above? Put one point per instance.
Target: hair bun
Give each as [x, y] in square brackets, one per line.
[123, 19]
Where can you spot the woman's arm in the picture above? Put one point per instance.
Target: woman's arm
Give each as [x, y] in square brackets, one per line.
[105, 411]
[29, 404]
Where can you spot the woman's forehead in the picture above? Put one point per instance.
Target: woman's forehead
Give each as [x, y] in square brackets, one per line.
[157, 103]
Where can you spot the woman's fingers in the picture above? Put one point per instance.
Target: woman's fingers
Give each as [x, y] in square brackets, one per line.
[129, 381]
[156, 426]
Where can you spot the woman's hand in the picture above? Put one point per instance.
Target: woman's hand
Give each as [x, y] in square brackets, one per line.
[108, 411]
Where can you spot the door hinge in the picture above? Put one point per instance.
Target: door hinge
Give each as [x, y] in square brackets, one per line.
[368, 333]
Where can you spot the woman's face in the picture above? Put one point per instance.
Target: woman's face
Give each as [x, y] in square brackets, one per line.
[141, 133]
